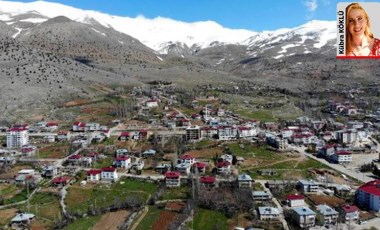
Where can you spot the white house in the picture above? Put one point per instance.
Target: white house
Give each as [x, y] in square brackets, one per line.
[328, 215]
[304, 217]
[223, 167]
[261, 195]
[244, 181]
[227, 132]
[92, 127]
[295, 200]
[342, 157]
[93, 175]
[307, 186]
[109, 174]
[172, 179]
[22, 219]
[268, 213]
[183, 168]
[349, 212]
[123, 162]
[246, 132]
[151, 103]
[121, 152]
[187, 159]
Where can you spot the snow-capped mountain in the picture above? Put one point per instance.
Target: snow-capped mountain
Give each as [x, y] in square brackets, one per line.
[151, 32]
[167, 36]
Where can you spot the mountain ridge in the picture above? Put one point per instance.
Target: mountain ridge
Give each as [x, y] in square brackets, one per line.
[154, 33]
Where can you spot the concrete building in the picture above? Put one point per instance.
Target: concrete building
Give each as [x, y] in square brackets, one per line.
[307, 186]
[295, 200]
[342, 157]
[304, 217]
[193, 133]
[109, 174]
[244, 181]
[17, 137]
[172, 179]
[268, 213]
[368, 195]
[327, 214]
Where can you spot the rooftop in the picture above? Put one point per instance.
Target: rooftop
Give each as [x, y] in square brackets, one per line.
[304, 211]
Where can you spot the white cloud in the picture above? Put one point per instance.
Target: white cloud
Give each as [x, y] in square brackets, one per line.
[311, 5]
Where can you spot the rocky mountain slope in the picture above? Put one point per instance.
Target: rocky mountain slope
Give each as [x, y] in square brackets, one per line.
[47, 58]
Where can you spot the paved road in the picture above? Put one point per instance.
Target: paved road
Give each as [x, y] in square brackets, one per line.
[363, 177]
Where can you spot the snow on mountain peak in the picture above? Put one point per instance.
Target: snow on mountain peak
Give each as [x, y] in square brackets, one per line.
[151, 32]
[158, 32]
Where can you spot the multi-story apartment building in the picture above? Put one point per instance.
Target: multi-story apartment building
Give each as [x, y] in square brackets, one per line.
[17, 137]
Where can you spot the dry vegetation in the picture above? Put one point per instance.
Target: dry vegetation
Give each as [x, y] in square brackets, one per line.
[111, 220]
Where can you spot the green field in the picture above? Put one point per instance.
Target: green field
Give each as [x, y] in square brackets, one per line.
[250, 150]
[149, 219]
[209, 219]
[288, 169]
[45, 206]
[84, 223]
[175, 193]
[81, 199]
[102, 163]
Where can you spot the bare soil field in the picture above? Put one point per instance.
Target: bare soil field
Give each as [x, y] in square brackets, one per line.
[38, 225]
[111, 220]
[332, 201]
[6, 215]
[205, 153]
[55, 152]
[164, 220]
[175, 206]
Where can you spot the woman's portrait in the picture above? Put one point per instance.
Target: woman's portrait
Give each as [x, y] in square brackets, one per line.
[359, 38]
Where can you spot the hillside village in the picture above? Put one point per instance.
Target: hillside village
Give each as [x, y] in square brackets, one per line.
[164, 159]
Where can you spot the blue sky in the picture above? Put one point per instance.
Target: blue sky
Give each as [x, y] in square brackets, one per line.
[254, 15]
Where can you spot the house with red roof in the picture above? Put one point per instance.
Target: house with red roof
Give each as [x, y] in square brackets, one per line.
[208, 132]
[60, 181]
[51, 126]
[294, 200]
[223, 167]
[143, 134]
[172, 179]
[122, 162]
[63, 135]
[109, 174]
[75, 159]
[246, 132]
[368, 195]
[78, 126]
[28, 150]
[93, 175]
[200, 166]
[349, 212]
[183, 122]
[124, 136]
[342, 157]
[187, 159]
[208, 181]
